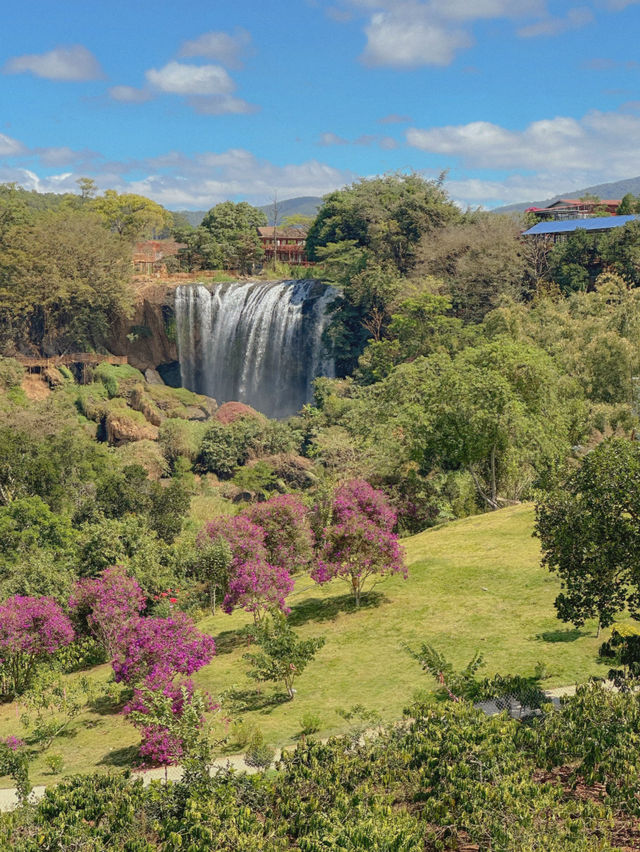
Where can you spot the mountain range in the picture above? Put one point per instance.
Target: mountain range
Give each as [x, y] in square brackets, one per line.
[615, 189]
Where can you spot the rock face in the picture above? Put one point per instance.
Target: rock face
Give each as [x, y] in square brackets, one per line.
[153, 377]
[147, 338]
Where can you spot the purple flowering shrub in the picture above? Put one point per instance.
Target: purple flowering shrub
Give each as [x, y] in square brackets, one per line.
[106, 604]
[31, 629]
[155, 650]
[360, 543]
[245, 538]
[358, 499]
[287, 533]
[258, 587]
[253, 583]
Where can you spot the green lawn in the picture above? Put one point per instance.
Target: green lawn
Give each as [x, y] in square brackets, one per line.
[475, 584]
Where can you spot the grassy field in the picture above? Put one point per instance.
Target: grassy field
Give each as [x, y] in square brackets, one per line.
[475, 584]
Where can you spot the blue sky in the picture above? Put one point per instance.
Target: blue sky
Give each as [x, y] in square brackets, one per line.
[197, 102]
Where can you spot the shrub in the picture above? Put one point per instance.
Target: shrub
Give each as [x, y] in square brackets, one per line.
[11, 373]
[55, 762]
[31, 629]
[310, 723]
[259, 755]
[107, 604]
[287, 533]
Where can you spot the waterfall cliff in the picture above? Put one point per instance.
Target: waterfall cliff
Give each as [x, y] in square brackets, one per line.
[258, 342]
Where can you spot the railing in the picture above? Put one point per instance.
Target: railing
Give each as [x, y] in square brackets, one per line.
[76, 358]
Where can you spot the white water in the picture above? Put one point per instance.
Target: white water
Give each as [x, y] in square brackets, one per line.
[258, 342]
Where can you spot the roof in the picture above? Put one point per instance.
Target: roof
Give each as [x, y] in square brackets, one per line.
[565, 226]
[283, 233]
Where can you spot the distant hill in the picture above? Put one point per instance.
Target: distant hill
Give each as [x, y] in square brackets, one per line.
[305, 205]
[616, 189]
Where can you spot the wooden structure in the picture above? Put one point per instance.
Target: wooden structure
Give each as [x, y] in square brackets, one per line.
[576, 208]
[149, 257]
[287, 244]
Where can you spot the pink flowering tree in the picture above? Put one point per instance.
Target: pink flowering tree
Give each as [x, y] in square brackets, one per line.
[252, 582]
[173, 726]
[245, 538]
[258, 587]
[360, 545]
[357, 498]
[107, 604]
[154, 650]
[287, 533]
[31, 629]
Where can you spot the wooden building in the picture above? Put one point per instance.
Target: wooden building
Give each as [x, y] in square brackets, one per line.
[576, 208]
[288, 244]
[150, 256]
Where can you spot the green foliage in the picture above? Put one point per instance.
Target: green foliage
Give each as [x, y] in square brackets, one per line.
[211, 567]
[63, 281]
[310, 723]
[259, 755]
[282, 656]
[589, 529]
[228, 237]
[11, 373]
[51, 704]
[133, 217]
[454, 684]
[258, 478]
[55, 762]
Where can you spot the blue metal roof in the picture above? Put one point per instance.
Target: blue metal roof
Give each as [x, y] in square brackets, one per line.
[565, 226]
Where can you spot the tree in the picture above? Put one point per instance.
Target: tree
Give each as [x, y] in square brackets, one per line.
[133, 217]
[628, 205]
[154, 650]
[213, 564]
[283, 656]
[30, 630]
[107, 604]
[386, 215]
[233, 227]
[359, 543]
[258, 587]
[481, 260]
[288, 538]
[589, 530]
[63, 281]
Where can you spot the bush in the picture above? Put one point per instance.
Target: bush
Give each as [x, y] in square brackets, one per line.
[55, 762]
[11, 373]
[310, 723]
[259, 755]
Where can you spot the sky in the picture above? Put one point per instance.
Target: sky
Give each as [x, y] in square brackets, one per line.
[197, 102]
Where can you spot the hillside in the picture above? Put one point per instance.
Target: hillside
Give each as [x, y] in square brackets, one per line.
[475, 584]
[615, 189]
[305, 205]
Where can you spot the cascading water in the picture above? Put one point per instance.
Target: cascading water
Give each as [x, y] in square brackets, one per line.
[258, 342]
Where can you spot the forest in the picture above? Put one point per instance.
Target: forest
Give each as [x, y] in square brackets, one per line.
[176, 574]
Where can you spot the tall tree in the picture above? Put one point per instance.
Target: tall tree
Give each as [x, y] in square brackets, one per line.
[133, 217]
[233, 228]
[589, 529]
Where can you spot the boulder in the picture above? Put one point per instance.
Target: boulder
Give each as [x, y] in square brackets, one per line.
[153, 377]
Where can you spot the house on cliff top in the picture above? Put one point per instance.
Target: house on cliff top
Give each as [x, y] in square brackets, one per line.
[288, 244]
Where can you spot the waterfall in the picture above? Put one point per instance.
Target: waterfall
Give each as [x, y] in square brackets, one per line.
[258, 342]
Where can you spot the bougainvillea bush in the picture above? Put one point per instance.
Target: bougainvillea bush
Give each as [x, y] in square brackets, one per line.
[258, 587]
[106, 604]
[156, 650]
[359, 545]
[253, 583]
[245, 538]
[31, 629]
[287, 533]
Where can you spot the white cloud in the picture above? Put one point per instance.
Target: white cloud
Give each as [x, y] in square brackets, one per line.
[10, 147]
[394, 118]
[404, 41]
[63, 63]
[597, 142]
[575, 18]
[221, 105]
[327, 139]
[219, 46]
[129, 94]
[177, 78]
[200, 181]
